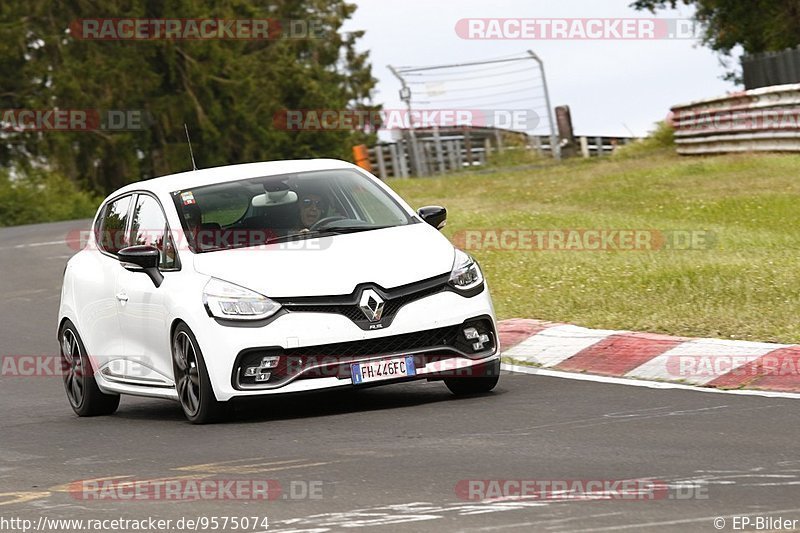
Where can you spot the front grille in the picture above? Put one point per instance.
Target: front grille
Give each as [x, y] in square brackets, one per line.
[335, 359]
[347, 305]
[442, 337]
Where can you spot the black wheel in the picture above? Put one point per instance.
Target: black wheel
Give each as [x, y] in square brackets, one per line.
[463, 386]
[191, 379]
[84, 396]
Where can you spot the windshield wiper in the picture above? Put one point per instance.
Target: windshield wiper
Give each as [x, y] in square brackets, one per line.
[335, 230]
[297, 236]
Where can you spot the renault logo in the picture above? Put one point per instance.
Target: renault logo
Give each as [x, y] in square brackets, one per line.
[371, 305]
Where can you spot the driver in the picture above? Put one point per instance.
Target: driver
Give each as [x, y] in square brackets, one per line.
[313, 208]
[193, 218]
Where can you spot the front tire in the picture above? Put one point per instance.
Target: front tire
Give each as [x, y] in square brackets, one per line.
[465, 386]
[84, 396]
[195, 393]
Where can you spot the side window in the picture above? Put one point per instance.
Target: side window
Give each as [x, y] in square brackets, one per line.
[112, 237]
[149, 227]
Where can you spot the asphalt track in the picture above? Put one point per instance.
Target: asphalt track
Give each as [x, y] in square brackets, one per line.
[387, 459]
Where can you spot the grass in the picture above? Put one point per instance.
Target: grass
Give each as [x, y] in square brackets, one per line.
[747, 286]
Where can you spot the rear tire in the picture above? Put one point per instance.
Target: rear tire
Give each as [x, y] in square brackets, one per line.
[192, 384]
[84, 396]
[465, 386]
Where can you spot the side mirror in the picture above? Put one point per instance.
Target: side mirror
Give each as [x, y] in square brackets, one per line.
[142, 259]
[435, 215]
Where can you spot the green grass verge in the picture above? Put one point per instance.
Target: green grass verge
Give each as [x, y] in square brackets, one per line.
[746, 287]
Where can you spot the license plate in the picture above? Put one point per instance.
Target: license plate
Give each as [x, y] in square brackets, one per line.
[397, 367]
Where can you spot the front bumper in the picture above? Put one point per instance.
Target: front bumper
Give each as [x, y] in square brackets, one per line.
[223, 345]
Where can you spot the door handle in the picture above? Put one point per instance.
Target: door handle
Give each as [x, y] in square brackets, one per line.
[122, 297]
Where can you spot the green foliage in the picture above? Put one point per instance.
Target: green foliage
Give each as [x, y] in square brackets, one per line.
[227, 91]
[42, 197]
[755, 25]
[661, 140]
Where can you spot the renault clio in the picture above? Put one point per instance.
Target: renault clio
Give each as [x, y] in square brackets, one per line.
[268, 278]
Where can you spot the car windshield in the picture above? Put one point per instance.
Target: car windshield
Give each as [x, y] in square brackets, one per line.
[257, 211]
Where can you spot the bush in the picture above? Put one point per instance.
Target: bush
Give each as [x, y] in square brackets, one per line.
[661, 140]
[42, 197]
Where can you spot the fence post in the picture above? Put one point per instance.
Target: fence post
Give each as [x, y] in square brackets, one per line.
[459, 157]
[537, 144]
[439, 154]
[599, 143]
[397, 170]
[468, 147]
[584, 147]
[427, 156]
[451, 155]
[498, 137]
[381, 162]
[401, 158]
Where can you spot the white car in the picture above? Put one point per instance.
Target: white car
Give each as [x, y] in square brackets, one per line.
[268, 278]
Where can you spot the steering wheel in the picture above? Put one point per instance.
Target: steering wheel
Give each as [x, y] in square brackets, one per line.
[323, 221]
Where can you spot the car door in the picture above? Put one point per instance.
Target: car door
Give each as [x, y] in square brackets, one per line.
[97, 276]
[142, 306]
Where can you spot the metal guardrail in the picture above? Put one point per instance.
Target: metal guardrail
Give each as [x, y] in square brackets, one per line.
[766, 119]
[461, 149]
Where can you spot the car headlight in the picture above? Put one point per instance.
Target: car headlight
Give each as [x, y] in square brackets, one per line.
[232, 302]
[466, 273]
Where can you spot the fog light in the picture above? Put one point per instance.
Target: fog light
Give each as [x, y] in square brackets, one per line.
[250, 371]
[470, 333]
[269, 362]
[482, 339]
[264, 376]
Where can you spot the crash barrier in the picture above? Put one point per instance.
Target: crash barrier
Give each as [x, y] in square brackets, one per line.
[764, 120]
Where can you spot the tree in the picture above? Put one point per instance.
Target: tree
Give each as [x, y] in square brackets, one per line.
[226, 91]
[755, 25]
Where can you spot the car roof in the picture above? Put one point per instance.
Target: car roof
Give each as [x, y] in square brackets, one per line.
[197, 178]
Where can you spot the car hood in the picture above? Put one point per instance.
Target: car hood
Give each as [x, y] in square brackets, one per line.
[334, 265]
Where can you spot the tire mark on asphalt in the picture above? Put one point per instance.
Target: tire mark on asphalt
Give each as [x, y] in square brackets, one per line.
[8, 498]
[613, 418]
[272, 466]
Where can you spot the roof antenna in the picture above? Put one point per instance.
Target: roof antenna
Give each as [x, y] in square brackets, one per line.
[191, 153]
